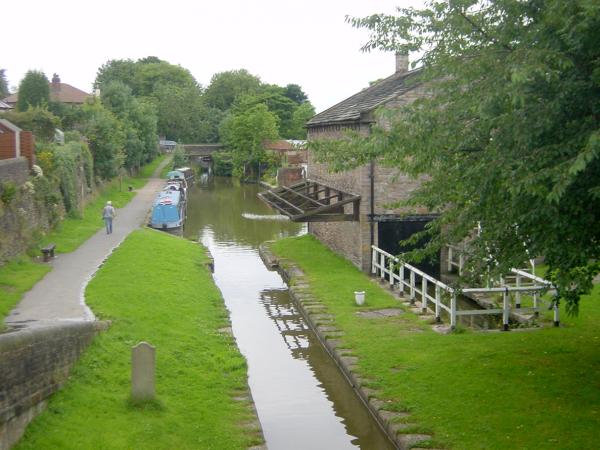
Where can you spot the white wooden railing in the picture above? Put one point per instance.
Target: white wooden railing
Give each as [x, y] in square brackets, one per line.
[404, 276]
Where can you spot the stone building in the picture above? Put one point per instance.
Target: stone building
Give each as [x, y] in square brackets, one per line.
[378, 187]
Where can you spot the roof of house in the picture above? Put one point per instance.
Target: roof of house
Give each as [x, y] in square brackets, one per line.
[283, 145]
[4, 105]
[59, 92]
[353, 108]
[9, 125]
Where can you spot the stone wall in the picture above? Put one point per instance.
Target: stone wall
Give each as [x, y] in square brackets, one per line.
[353, 239]
[23, 219]
[15, 170]
[34, 363]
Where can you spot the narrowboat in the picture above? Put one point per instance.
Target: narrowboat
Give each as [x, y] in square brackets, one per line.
[168, 210]
[188, 174]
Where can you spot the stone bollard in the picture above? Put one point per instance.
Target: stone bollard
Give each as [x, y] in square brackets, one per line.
[143, 362]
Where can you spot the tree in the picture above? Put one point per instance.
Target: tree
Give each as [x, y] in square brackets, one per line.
[4, 91]
[509, 136]
[244, 132]
[106, 139]
[138, 122]
[301, 115]
[225, 87]
[34, 90]
[295, 93]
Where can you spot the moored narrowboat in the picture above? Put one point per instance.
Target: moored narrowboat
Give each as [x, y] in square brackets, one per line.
[168, 210]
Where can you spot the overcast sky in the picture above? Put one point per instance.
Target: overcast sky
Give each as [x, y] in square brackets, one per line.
[305, 42]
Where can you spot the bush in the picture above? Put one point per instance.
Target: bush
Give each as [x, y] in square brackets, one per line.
[9, 191]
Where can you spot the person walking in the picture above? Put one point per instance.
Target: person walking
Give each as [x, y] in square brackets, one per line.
[108, 214]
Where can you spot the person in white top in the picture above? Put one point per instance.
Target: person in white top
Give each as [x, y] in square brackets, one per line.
[108, 214]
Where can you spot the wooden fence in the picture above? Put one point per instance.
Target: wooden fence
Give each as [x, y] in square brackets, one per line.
[404, 276]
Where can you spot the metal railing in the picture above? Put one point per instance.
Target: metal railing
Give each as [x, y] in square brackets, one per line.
[404, 276]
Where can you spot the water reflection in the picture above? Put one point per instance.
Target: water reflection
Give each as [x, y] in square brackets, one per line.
[302, 399]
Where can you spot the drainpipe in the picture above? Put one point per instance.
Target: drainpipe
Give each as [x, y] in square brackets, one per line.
[372, 200]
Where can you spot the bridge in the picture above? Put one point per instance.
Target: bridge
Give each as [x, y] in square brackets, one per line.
[202, 152]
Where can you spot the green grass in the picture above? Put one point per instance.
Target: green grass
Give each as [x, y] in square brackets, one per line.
[154, 288]
[527, 390]
[16, 278]
[19, 276]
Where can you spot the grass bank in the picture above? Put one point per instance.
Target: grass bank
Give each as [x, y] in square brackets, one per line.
[521, 389]
[154, 288]
[19, 276]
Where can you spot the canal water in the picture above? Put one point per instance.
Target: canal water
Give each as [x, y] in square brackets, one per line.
[302, 399]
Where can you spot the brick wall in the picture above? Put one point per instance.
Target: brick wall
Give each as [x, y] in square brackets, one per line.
[286, 176]
[28, 146]
[34, 363]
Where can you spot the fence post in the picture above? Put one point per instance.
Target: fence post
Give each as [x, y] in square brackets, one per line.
[402, 278]
[412, 286]
[518, 293]
[373, 261]
[391, 273]
[556, 315]
[453, 311]
[505, 310]
[449, 259]
[535, 304]
[424, 295]
[461, 261]
[438, 299]
[382, 264]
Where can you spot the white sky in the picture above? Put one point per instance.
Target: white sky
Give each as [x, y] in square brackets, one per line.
[305, 42]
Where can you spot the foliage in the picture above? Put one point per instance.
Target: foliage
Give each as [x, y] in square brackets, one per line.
[41, 122]
[225, 87]
[244, 132]
[183, 116]
[222, 165]
[72, 161]
[201, 374]
[180, 158]
[106, 139]
[470, 390]
[34, 90]
[509, 135]
[295, 93]
[8, 191]
[138, 120]
[301, 115]
[4, 91]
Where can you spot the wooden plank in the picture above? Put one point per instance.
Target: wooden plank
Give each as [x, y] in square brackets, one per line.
[284, 201]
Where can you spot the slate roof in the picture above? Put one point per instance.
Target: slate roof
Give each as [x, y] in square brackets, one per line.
[353, 108]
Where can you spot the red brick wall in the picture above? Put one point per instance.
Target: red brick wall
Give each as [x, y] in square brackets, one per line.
[7, 143]
[27, 146]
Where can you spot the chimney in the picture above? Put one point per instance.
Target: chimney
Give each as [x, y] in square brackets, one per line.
[55, 82]
[401, 62]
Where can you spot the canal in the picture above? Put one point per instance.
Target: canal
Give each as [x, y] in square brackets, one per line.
[303, 400]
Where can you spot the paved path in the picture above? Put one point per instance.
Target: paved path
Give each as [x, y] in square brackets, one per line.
[59, 295]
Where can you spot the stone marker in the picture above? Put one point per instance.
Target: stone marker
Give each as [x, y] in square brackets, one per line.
[143, 361]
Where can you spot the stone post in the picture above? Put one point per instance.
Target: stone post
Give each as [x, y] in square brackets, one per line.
[143, 362]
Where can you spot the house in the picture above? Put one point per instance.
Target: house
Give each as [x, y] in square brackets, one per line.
[16, 150]
[350, 211]
[292, 159]
[5, 107]
[59, 92]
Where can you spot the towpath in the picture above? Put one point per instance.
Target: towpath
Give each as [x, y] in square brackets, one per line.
[59, 295]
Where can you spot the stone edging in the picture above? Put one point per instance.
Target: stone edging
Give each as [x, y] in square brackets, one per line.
[321, 323]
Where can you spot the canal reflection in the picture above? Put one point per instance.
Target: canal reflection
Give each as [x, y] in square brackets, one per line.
[302, 399]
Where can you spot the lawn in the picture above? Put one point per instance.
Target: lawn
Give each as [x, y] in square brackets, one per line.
[19, 276]
[520, 389]
[201, 380]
